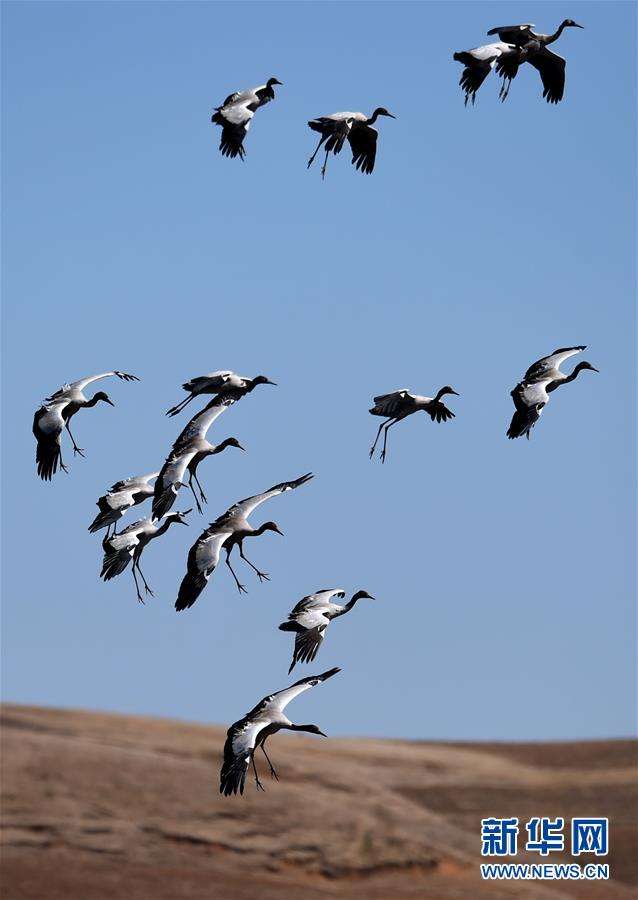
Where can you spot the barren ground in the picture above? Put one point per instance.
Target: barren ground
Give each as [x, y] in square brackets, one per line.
[102, 806]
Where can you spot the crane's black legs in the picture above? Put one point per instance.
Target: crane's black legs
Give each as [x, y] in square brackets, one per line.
[240, 586]
[374, 446]
[136, 565]
[325, 165]
[262, 575]
[272, 768]
[385, 437]
[203, 495]
[190, 484]
[76, 449]
[312, 158]
[179, 406]
[260, 786]
[505, 88]
[137, 587]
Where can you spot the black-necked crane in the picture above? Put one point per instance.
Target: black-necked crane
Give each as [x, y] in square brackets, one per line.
[120, 497]
[550, 66]
[235, 115]
[310, 618]
[396, 406]
[54, 416]
[128, 545]
[188, 451]
[228, 531]
[356, 128]
[480, 61]
[543, 377]
[248, 734]
[218, 383]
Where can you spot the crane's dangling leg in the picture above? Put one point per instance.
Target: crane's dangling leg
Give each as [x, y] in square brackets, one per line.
[137, 587]
[312, 158]
[385, 438]
[272, 768]
[203, 495]
[260, 786]
[190, 484]
[136, 565]
[76, 449]
[261, 575]
[325, 165]
[179, 406]
[240, 587]
[374, 446]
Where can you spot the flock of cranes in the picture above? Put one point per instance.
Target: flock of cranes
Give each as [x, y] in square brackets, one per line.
[310, 617]
[517, 44]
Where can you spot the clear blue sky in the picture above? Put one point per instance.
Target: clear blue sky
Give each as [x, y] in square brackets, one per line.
[485, 238]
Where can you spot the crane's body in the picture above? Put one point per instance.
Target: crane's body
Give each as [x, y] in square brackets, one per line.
[249, 733]
[356, 128]
[397, 405]
[120, 497]
[310, 618]
[228, 531]
[236, 113]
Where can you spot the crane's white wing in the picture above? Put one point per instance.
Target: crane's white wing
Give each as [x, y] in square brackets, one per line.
[538, 369]
[132, 482]
[245, 507]
[49, 419]
[318, 600]
[199, 424]
[83, 382]
[276, 703]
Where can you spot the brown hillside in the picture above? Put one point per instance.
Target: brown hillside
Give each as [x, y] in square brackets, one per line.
[105, 806]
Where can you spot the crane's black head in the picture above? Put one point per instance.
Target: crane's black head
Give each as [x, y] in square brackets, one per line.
[271, 526]
[382, 111]
[569, 23]
[261, 379]
[311, 729]
[103, 397]
[272, 81]
[448, 390]
[229, 442]
[360, 595]
[585, 365]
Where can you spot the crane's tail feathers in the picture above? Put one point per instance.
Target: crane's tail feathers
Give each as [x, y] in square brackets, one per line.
[48, 457]
[189, 590]
[103, 520]
[163, 502]
[114, 564]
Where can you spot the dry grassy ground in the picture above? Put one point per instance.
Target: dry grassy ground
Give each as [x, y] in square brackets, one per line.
[103, 806]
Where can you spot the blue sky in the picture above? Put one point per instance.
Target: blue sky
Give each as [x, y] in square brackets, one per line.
[485, 238]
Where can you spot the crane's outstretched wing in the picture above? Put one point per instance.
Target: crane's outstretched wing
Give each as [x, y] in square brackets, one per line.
[245, 507]
[513, 34]
[131, 483]
[317, 600]
[211, 381]
[83, 382]
[199, 424]
[241, 739]
[538, 369]
[363, 143]
[439, 412]
[307, 645]
[393, 403]
[551, 68]
[279, 701]
[203, 558]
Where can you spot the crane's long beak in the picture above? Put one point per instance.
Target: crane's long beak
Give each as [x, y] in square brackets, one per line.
[110, 402]
[268, 381]
[279, 531]
[576, 25]
[321, 733]
[239, 447]
[456, 393]
[595, 369]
